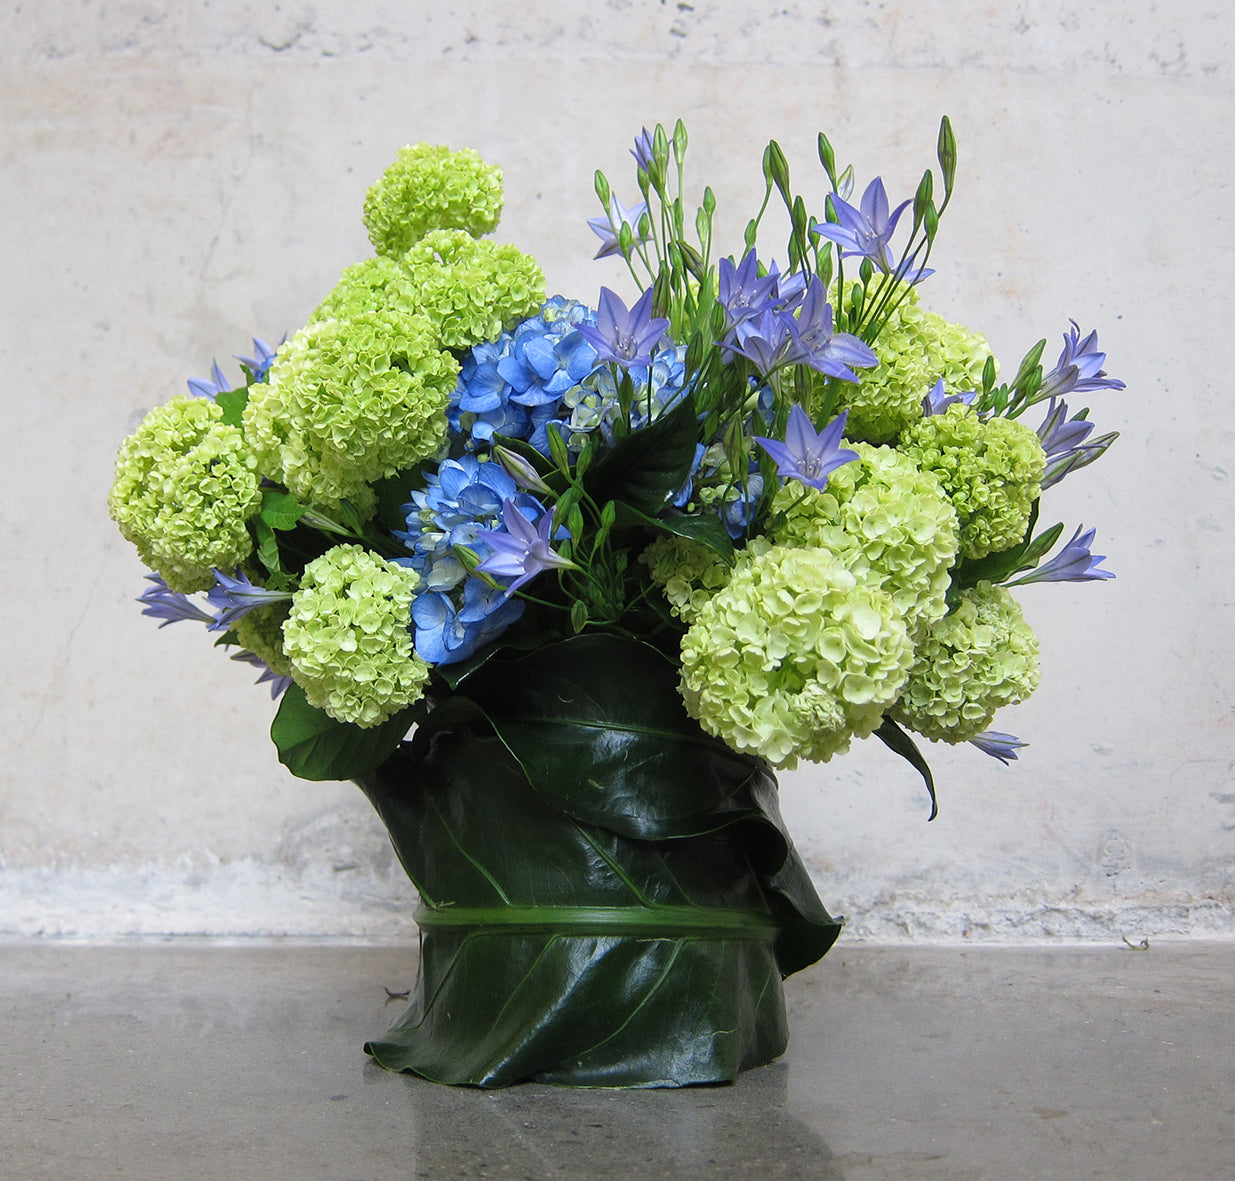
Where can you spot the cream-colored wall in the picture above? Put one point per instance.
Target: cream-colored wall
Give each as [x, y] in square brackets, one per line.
[179, 177]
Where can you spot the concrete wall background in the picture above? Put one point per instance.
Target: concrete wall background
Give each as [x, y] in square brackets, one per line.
[177, 178]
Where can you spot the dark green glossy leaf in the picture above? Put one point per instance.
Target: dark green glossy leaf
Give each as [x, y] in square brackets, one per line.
[599, 728]
[648, 467]
[705, 528]
[569, 953]
[312, 745]
[898, 740]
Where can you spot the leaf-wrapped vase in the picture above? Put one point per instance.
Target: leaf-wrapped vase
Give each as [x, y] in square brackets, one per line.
[608, 896]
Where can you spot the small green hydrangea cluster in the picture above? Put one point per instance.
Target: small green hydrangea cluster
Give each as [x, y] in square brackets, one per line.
[361, 391]
[349, 402]
[429, 187]
[689, 573]
[469, 290]
[915, 348]
[979, 658]
[372, 285]
[347, 636]
[793, 657]
[840, 615]
[888, 522]
[990, 468]
[185, 487]
[261, 632]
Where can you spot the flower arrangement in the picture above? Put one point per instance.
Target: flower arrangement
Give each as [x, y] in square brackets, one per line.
[803, 485]
[788, 504]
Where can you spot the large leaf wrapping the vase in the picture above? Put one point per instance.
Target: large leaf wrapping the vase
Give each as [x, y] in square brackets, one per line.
[635, 937]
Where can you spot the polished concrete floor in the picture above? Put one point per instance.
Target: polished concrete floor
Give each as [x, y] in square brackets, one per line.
[164, 1061]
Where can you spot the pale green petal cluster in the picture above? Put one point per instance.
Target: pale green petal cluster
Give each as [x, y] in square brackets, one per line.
[373, 285]
[350, 402]
[793, 657]
[261, 632]
[886, 521]
[469, 290]
[915, 348]
[991, 470]
[348, 636]
[429, 187]
[973, 662]
[689, 573]
[185, 486]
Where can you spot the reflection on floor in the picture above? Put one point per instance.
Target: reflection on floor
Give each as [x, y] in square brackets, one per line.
[200, 1060]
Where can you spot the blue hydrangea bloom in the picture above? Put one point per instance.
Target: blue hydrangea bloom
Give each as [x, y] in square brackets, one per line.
[546, 372]
[513, 385]
[592, 405]
[455, 614]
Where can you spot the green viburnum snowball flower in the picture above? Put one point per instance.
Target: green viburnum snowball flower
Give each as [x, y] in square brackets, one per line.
[973, 662]
[886, 521]
[689, 573]
[793, 657]
[185, 486]
[991, 470]
[915, 348]
[469, 290]
[348, 636]
[260, 631]
[429, 187]
[373, 285]
[348, 403]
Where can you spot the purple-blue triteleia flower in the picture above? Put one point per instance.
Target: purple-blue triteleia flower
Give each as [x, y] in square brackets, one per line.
[936, 402]
[769, 341]
[1073, 563]
[1079, 368]
[742, 292]
[867, 232]
[1059, 433]
[199, 387]
[233, 598]
[826, 350]
[745, 294]
[161, 602]
[628, 337]
[258, 364]
[806, 455]
[520, 470]
[608, 228]
[278, 682]
[1067, 443]
[521, 550]
[642, 151]
[998, 745]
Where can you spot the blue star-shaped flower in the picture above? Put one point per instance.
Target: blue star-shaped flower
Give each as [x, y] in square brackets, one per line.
[808, 456]
[1079, 368]
[233, 598]
[998, 745]
[867, 232]
[1073, 563]
[628, 337]
[521, 550]
[609, 227]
